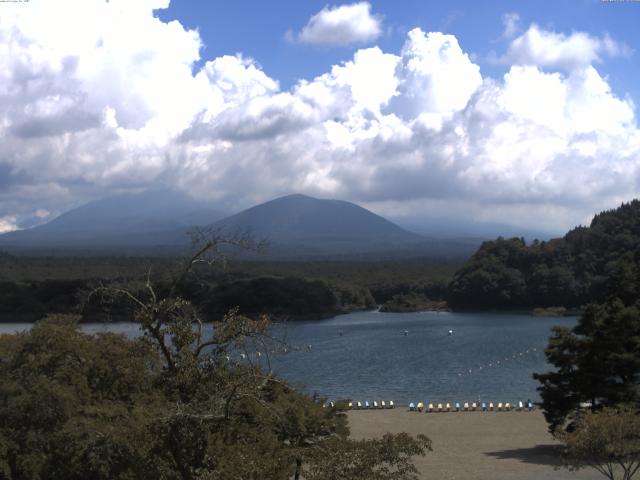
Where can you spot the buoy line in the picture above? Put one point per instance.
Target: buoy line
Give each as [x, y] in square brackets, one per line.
[497, 363]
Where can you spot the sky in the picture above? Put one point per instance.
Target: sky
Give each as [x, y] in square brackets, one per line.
[517, 112]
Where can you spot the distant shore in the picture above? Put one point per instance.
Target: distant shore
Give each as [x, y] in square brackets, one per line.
[474, 445]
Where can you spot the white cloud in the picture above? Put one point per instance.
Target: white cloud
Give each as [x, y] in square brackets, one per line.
[8, 223]
[550, 49]
[342, 25]
[511, 22]
[109, 101]
[437, 77]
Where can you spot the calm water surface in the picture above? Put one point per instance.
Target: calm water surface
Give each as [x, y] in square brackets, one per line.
[367, 355]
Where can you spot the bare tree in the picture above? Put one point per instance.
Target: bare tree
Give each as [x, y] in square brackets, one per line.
[191, 347]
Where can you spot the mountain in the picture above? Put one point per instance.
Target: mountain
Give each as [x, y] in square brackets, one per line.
[296, 226]
[452, 227]
[137, 220]
[318, 226]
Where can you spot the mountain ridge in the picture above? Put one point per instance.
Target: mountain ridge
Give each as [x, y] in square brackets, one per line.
[157, 216]
[295, 225]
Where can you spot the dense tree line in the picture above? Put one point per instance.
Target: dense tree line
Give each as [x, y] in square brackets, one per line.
[587, 265]
[281, 298]
[591, 399]
[33, 299]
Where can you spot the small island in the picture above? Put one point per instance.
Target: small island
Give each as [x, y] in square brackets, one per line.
[413, 302]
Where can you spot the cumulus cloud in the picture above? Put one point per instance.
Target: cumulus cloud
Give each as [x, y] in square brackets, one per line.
[550, 49]
[112, 101]
[437, 77]
[341, 25]
[8, 223]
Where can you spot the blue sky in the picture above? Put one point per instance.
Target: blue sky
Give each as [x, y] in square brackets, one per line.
[257, 29]
[515, 112]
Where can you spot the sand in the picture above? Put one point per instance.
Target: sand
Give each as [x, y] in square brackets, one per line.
[474, 445]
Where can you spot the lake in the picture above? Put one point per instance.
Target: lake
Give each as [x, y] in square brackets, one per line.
[367, 356]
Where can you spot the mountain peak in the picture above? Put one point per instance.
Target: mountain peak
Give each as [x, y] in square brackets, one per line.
[301, 219]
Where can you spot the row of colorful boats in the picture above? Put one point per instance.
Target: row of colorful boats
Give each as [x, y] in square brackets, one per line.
[442, 407]
[366, 405]
[471, 407]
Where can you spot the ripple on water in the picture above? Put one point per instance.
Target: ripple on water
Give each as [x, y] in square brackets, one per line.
[373, 359]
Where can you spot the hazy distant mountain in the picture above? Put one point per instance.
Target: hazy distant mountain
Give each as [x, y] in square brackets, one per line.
[297, 226]
[151, 218]
[316, 226]
[447, 228]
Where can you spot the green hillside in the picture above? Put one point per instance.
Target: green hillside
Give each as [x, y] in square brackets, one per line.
[588, 264]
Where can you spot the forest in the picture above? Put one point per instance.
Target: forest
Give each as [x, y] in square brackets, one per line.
[30, 287]
[588, 264]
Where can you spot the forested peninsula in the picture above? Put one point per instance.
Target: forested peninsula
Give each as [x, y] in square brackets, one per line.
[587, 265]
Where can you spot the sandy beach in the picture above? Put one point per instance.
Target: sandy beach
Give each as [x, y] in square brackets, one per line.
[474, 445]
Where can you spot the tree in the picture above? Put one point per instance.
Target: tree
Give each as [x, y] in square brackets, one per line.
[588, 264]
[387, 458]
[186, 401]
[607, 440]
[597, 362]
[75, 406]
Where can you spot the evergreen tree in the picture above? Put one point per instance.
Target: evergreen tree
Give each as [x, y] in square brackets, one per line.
[597, 362]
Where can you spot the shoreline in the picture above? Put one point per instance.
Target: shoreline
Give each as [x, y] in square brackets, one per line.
[29, 318]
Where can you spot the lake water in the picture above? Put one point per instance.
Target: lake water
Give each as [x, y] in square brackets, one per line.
[367, 356]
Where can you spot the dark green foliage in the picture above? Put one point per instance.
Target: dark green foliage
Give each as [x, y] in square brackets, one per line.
[27, 268]
[387, 458]
[411, 302]
[169, 405]
[73, 406]
[597, 362]
[433, 290]
[31, 300]
[586, 265]
[286, 297]
[77, 406]
[291, 298]
[355, 285]
[607, 441]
